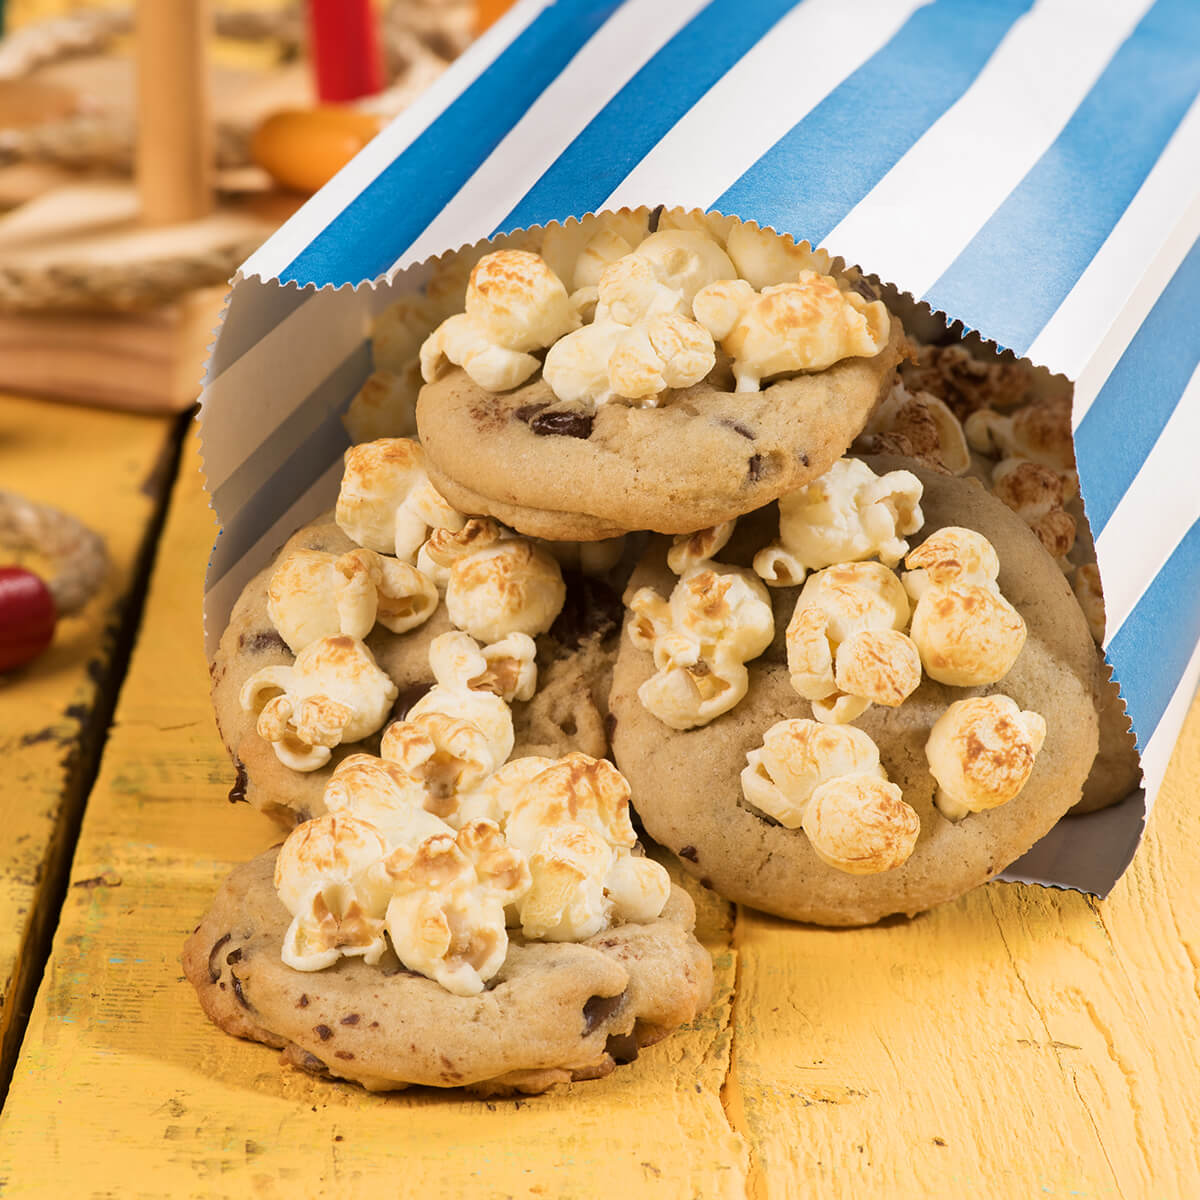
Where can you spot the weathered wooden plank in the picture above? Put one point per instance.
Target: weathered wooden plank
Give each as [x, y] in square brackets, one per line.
[1022, 1041]
[124, 1088]
[100, 467]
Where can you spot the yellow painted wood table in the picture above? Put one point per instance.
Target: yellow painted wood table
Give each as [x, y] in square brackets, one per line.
[1020, 1042]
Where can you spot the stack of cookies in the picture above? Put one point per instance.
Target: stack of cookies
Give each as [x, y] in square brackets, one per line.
[690, 533]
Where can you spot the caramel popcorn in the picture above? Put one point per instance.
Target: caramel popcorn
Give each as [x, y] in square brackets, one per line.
[334, 692]
[919, 425]
[514, 304]
[315, 595]
[806, 325]
[845, 645]
[386, 502]
[967, 632]
[981, 751]
[847, 514]
[1039, 432]
[1037, 494]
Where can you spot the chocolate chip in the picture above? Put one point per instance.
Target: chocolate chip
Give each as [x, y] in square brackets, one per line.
[214, 972]
[527, 412]
[622, 1047]
[562, 424]
[262, 641]
[738, 427]
[342, 1054]
[323, 1032]
[591, 609]
[237, 991]
[610, 726]
[237, 793]
[655, 217]
[689, 852]
[706, 882]
[303, 1001]
[234, 956]
[754, 467]
[864, 289]
[407, 698]
[803, 458]
[350, 1019]
[598, 1009]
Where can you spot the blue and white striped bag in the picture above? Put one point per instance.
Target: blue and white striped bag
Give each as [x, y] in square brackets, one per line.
[1031, 169]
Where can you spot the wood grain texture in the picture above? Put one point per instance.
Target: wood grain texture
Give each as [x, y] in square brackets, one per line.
[69, 458]
[1019, 1042]
[123, 1088]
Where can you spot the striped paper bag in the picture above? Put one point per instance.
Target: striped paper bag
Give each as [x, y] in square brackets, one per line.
[1029, 169]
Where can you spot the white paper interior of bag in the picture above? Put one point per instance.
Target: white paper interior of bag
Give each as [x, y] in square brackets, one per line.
[287, 363]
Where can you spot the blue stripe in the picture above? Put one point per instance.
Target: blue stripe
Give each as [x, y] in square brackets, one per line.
[1118, 432]
[1019, 267]
[323, 444]
[645, 110]
[815, 174]
[1151, 650]
[389, 214]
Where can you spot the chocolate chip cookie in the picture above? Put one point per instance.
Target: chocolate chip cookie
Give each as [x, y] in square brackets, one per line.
[687, 788]
[567, 711]
[556, 1012]
[704, 455]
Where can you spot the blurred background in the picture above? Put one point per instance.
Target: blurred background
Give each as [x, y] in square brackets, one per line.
[148, 146]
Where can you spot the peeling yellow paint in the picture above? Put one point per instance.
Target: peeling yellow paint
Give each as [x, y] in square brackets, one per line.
[64, 456]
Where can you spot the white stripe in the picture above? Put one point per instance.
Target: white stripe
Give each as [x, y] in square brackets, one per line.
[768, 91]
[1104, 310]
[619, 49]
[244, 406]
[916, 221]
[1158, 751]
[366, 166]
[221, 594]
[1154, 515]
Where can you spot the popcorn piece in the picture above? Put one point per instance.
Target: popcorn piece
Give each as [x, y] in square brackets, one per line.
[966, 383]
[578, 251]
[918, 425]
[796, 757]
[465, 679]
[385, 795]
[438, 757]
[510, 587]
[1038, 432]
[1037, 493]
[318, 875]
[694, 220]
[1086, 585]
[398, 331]
[514, 304]
[387, 503]
[981, 752]
[764, 258]
[844, 642]
[333, 693]
[717, 619]
[668, 351]
[684, 262]
[967, 632]
[691, 550]
[316, 595]
[446, 546]
[848, 514]
[451, 272]
[493, 799]
[860, 824]
[386, 405]
[446, 912]
[807, 325]
[572, 822]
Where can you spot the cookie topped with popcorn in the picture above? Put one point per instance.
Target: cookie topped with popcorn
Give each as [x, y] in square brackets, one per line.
[648, 371]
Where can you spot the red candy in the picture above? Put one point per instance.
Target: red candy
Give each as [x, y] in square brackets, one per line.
[27, 617]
